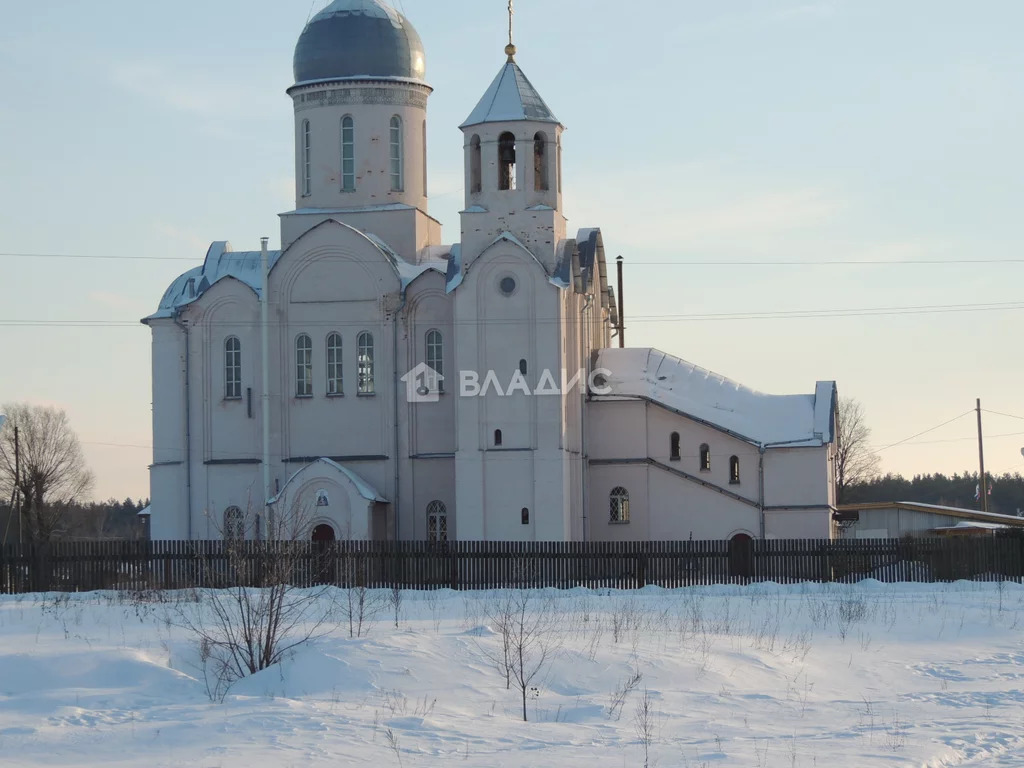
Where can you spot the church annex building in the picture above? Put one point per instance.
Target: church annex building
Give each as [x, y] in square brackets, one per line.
[391, 386]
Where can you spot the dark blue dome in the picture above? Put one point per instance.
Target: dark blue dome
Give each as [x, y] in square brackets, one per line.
[354, 38]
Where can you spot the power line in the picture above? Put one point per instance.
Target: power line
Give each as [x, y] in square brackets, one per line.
[963, 439]
[682, 263]
[808, 314]
[927, 431]
[1007, 415]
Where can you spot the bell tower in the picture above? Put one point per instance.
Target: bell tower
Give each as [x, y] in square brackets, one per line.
[513, 173]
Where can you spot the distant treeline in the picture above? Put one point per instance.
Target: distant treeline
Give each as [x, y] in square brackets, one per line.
[102, 520]
[1006, 498]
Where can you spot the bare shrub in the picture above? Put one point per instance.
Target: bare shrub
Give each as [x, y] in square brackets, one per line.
[257, 617]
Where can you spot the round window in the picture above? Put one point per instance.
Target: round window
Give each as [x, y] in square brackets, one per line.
[508, 285]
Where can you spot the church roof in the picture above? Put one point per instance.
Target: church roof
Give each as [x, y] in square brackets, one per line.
[715, 400]
[221, 262]
[511, 97]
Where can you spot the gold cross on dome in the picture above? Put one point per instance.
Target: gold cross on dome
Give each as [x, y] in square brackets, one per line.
[510, 49]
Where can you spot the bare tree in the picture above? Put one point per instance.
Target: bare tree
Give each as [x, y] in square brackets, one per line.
[525, 625]
[256, 616]
[52, 467]
[643, 724]
[855, 462]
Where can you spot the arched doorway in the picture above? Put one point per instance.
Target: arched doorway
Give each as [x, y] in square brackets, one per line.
[323, 534]
[741, 556]
[324, 553]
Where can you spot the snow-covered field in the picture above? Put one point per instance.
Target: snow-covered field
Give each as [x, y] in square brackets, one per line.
[738, 677]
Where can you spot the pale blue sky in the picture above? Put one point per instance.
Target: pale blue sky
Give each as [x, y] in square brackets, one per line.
[775, 130]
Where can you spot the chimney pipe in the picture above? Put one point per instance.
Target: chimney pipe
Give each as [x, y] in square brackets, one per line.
[622, 308]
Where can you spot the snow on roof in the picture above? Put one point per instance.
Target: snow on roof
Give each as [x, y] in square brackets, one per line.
[373, 8]
[221, 262]
[453, 278]
[245, 266]
[960, 510]
[713, 399]
[510, 97]
[972, 524]
[365, 490]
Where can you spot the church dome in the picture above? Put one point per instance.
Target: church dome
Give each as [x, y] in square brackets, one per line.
[359, 38]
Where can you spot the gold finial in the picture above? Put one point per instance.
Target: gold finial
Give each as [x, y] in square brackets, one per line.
[510, 49]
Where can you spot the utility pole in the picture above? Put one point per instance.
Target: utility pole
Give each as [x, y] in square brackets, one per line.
[983, 485]
[622, 308]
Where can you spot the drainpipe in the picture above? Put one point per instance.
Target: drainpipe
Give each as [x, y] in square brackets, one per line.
[188, 420]
[584, 457]
[265, 351]
[396, 382]
[760, 481]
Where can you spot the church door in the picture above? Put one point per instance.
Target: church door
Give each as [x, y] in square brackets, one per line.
[324, 554]
[741, 556]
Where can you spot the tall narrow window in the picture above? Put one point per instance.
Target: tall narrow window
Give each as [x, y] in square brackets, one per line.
[234, 524]
[540, 162]
[335, 382]
[675, 446]
[619, 505]
[303, 366]
[559, 169]
[348, 154]
[233, 369]
[525, 516]
[523, 367]
[705, 458]
[397, 155]
[476, 182]
[506, 161]
[366, 384]
[307, 159]
[437, 522]
[424, 153]
[497, 438]
[435, 358]
[734, 470]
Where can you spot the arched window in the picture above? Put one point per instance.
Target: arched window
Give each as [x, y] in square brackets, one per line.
[540, 162]
[675, 446]
[348, 154]
[476, 182]
[233, 369]
[497, 438]
[734, 470]
[303, 366]
[435, 357]
[525, 514]
[307, 159]
[366, 384]
[506, 161]
[335, 381]
[705, 458]
[437, 522]
[523, 367]
[234, 524]
[397, 155]
[619, 505]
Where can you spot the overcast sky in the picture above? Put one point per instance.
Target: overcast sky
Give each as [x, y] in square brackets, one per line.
[700, 134]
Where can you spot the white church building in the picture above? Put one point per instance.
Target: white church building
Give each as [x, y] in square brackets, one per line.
[392, 386]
